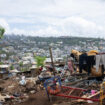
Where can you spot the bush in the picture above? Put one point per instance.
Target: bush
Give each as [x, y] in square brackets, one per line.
[2, 30]
[40, 60]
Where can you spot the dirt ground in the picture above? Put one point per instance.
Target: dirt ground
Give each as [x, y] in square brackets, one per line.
[12, 86]
[40, 98]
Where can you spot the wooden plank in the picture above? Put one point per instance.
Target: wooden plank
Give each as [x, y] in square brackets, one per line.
[94, 95]
[71, 91]
[51, 56]
[84, 96]
[73, 83]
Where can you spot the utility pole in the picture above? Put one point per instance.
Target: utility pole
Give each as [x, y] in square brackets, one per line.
[52, 63]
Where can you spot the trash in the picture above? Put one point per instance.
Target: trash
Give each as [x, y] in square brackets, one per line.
[22, 82]
[32, 92]
[21, 88]
[29, 84]
[11, 86]
[16, 95]
[2, 98]
[90, 101]
[66, 80]
[93, 92]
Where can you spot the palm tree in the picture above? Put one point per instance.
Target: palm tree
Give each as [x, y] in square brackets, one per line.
[2, 30]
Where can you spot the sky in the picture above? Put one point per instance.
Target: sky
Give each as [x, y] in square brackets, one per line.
[83, 18]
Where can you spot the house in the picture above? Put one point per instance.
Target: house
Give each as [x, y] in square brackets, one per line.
[4, 70]
[14, 72]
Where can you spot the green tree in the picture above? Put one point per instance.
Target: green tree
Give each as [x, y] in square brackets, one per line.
[1, 63]
[21, 66]
[11, 67]
[40, 60]
[2, 30]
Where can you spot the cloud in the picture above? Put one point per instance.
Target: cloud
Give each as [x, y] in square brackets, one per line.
[49, 31]
[72, 26]
[81, 27]
[4, 24]
[53, 17]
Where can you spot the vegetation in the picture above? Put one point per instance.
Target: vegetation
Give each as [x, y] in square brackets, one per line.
[11, 67]
[2, 30]
[23, 69]
[28, 41]
[40, 60]
[21, 66]
[1, 63]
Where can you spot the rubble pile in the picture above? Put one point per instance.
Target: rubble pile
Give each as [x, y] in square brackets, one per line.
[30, 90]
[12, 90]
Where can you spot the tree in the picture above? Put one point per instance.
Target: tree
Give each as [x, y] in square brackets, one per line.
[1, 63]
[11, 67]
[40, 60]
[21, 66]
[2, 30]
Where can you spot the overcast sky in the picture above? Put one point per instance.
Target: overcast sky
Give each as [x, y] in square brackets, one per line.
[53, 17]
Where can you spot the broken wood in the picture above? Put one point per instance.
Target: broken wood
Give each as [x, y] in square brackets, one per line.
[94, 95]
[71, 92]
[51, 56]
[79, 74]
[2, 98]
[73, 83]
[85, 96]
